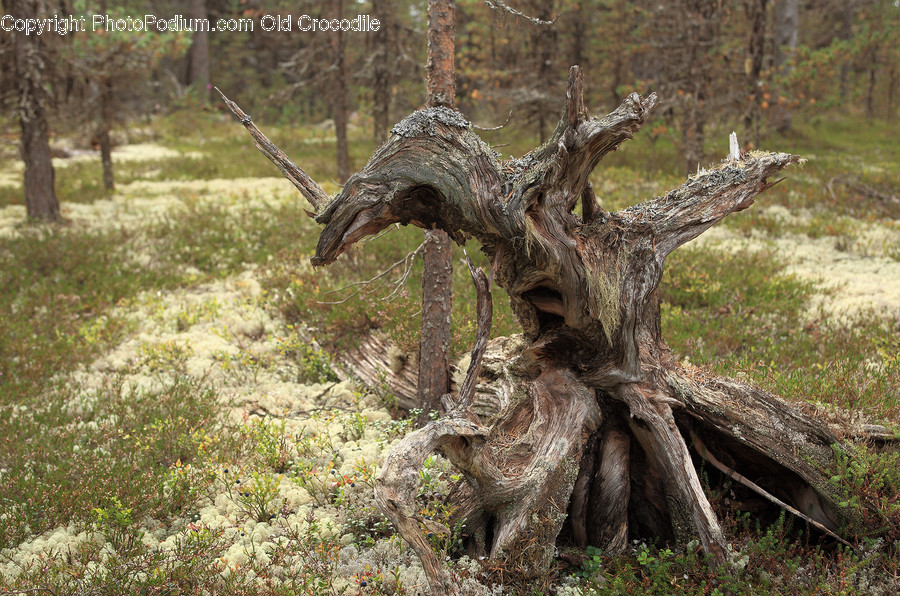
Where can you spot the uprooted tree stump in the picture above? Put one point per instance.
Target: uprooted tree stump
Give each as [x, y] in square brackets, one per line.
[583, 425]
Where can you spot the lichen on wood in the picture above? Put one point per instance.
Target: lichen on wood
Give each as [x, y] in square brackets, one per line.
[422, 122]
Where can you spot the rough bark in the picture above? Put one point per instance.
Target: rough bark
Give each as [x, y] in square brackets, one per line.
[757, 14]
[381, 84]
[440, 69]
[339, 100]
[434, 347]
[437, 275]
[40, 196]
[584, 425]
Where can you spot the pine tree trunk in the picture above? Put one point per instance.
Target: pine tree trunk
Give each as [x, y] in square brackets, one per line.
[870, 87]
[787, 28]
[437, 275]
[381, 80]
[543, 40]
[440, 70]
[40, 196]
[891, 93]
[339, 100]
[106, 119]
[757, 14]
[845, 33]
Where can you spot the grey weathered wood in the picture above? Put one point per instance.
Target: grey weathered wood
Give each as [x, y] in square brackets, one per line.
[586, 294]
[580, 424]
[300, 179]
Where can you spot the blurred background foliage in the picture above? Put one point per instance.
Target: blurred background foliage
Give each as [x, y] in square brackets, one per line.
[755, 64]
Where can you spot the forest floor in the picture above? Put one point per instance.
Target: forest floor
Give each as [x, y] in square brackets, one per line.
[172, 421]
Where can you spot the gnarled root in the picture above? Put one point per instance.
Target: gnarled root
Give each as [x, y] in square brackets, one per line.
[520, 469]
[398, 483]
[520, 473]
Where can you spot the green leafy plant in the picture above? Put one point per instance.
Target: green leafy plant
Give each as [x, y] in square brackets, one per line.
[870, 483]
[271, 443]
[256, 497]
[314, 365]
[116, 522]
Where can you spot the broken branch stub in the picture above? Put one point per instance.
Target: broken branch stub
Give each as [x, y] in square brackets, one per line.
[582, 426]
[306, 185]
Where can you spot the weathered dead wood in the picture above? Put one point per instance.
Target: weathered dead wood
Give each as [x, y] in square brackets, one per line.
[306, 185]
[583, 425]
[375, 364]
[661, 440]
[398, 482]
[708, 456]
[485, 314]
[586, 294]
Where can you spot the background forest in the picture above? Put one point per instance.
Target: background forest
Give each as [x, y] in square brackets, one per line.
[175, 411]
[754, 62]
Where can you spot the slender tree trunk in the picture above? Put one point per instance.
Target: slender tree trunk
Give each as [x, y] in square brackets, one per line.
[870, 87]
[381, 76]
[199, 53]
[106, 123]
[579, 35]
[339, 101]
[692, 134]
[846, 33]
[40, 196]
[437, 277]
[440, 70]
[757, 15]
[891, 93]
[787, 28]
[544, 41]
[703, 30]
[106, 119]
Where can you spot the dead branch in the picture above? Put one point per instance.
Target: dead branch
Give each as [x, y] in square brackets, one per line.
[306, 185]
[485, 313]
[705, 453]
[501, 6]
[863, 189]
[408, 261]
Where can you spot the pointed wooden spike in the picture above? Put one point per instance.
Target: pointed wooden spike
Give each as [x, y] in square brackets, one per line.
[306, 185]
[734, 149]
